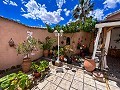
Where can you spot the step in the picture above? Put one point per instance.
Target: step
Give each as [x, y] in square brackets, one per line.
[97, 59]
[98, 51]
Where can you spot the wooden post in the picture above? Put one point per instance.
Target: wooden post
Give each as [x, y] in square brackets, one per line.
[103, 49]
[106, 41]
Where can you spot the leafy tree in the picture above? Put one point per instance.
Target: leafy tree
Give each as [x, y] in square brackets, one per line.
[82, 9]
[49, 28]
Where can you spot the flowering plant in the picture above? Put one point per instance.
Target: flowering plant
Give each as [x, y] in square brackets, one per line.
[27, 46]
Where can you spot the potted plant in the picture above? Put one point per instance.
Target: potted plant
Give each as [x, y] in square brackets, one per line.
[53, 59]
[26, 48]
[40, 68]
[47, 45]
[15, 81]
[44, 64]
[36, 70]
[62, 54]
[68, 53]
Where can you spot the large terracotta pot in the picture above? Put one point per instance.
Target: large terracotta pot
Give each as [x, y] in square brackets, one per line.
[45, 53]
[26, 65]
[89, 64]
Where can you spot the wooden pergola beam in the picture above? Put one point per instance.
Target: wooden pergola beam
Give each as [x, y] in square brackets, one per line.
[108, 24]
[109, 29]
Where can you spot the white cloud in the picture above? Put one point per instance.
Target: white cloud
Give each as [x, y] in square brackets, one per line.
[111, 3]
[23, 2]
[22, 10]
[70, 20]
[38, 11]
[67, 12]
[75, 7]
[60, 3]
[65, 9]
[4, 2]
[17, 20]
[13, 3]
[98, 13]
[9, 2]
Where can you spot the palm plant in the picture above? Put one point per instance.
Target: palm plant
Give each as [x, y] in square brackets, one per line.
[82, 10]
[49, 28]
[47, 44]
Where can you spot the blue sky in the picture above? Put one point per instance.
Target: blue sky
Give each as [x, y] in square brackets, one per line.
[38, 12]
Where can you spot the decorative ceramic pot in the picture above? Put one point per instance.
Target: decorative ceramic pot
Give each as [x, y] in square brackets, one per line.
[53, 62]
[58, 63]
[47, 69]
[26, 64]
[45, 53]
[89, 64]
[62, 57]
[50, 52]
[69, 60]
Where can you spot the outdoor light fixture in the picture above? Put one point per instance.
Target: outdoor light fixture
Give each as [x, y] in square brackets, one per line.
[61, 32]
[11, 43]
[58, 34]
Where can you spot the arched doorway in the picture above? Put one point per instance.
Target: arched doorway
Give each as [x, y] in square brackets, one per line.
[68, 41]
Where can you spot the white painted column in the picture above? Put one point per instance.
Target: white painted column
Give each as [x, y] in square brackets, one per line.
[106, 47]
[96, 42]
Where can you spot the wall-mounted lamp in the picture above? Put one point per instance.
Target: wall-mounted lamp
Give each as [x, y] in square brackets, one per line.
[11, 43]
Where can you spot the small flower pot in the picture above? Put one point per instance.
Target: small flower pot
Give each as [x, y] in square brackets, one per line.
[62, 58]
[45, 53]
[59, 64]
[47, 69]
[36, 74]
[53, 62]
[69, 60]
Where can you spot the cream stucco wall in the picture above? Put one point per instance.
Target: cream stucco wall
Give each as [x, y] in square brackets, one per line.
[115, 36]
[115, 32]
[10, 29]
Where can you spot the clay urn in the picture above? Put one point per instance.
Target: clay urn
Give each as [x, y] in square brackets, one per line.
[89, 64]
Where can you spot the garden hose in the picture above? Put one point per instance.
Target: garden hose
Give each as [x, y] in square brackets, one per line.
[106, 81]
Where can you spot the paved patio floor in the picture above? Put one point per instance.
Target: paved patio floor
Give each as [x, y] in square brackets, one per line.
[114, 67]
[72, 78]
